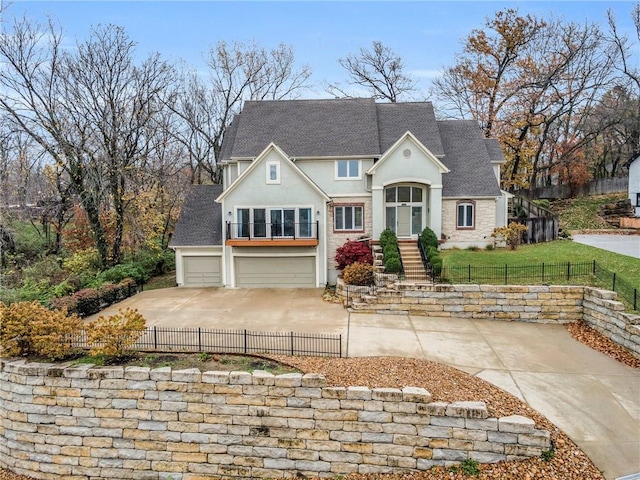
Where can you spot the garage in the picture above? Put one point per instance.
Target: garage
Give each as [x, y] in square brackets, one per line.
[275, 272]
[202, 271]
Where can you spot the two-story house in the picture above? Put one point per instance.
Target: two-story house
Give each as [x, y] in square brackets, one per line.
[301, 177]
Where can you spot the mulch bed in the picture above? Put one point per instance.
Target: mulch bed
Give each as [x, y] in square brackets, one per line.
[448, 384]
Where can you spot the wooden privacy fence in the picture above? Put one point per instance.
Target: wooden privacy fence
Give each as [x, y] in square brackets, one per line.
[232, 341]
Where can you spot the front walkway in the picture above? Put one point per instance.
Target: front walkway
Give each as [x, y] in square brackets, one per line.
[591, 397]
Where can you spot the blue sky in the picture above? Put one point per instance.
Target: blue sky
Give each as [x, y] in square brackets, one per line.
[427, 34]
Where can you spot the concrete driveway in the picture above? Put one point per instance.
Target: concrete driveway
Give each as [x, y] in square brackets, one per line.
[622, 244]
[591, 397]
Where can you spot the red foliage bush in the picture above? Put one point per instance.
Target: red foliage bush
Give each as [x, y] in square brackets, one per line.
[352, 252]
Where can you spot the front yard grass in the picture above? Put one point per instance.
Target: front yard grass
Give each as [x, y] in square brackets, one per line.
[559, 251]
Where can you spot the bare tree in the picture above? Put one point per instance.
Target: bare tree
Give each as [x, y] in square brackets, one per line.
[237, 72]
[630, 76]
[88, 109]
[379, 70]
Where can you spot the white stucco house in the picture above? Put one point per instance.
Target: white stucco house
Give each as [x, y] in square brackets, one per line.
[301, 177]
[634, 183]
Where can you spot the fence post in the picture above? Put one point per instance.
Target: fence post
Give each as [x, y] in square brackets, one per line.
[568, 270]
[542, 272]
[291, 334]
[635, 299]
[594, 268]
[506, 273]
[614, 281]
[469, 275]
[245, 340]
[155, 338]
[340, 345]
[199, 339]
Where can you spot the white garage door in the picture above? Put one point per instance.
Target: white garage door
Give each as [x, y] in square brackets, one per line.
[202, 272]
[275, 272]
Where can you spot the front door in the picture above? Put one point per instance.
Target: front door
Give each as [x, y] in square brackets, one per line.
[404, 221]
[404, 210]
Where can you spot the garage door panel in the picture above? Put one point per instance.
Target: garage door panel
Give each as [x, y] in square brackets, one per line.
[204, 271]
[275, 272]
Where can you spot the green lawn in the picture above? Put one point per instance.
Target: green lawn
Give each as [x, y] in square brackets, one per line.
[560, 251]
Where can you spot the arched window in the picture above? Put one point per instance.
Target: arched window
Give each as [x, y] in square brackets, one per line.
[466, 215]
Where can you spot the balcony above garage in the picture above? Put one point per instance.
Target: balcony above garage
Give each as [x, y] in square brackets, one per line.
[272, 234]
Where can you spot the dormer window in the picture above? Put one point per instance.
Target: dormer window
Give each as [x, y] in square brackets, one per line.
[273, 172]
[348, 170]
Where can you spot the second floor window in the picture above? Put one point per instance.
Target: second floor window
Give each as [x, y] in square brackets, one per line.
[347, 169]
[348, 217]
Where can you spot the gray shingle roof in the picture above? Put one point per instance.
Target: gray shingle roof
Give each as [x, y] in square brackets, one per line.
[467, 157]
[306, 128]
[353, 127]
[394, 119]
[494, 149]
[200, 220]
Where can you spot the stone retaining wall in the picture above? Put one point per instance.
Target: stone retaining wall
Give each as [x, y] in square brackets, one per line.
[85, 423]
[535, 303]
[603, 312]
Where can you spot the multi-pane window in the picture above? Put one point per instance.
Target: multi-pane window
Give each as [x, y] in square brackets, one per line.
[348, 169]
[274, 222]
[465, 215]
[348, 217]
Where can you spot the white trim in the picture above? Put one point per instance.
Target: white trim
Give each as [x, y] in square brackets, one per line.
[355, 227]
[425, 151]
[471, 197]
[373, 156]
[268, 165]
[271, 147]
[338, 178]
[398, 181]
[346, 195]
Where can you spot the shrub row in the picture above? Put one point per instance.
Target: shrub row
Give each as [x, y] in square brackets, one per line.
[30, 329]
[390, 251]
[429, 242]
[91, 300]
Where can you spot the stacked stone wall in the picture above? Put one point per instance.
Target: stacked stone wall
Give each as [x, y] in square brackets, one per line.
[534, 303]
[83, 422]
[603, 312]
[537, 303]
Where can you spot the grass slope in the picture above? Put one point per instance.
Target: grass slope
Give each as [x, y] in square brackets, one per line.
[582, 213]
[560, 251]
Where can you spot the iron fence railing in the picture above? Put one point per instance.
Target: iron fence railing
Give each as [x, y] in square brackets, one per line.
[272, 231]
[582, 273]
[231, 341]
[512, 273]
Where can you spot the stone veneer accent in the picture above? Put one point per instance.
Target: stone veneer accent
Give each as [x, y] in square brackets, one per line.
[534, 303]
[83, 422]
[480, 236]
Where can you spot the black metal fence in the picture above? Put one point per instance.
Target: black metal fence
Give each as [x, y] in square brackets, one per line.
[581, 273]
[543, 273]
[233, 341]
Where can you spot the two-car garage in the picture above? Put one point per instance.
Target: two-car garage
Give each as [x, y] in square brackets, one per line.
[246, 269]
[275, 272]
